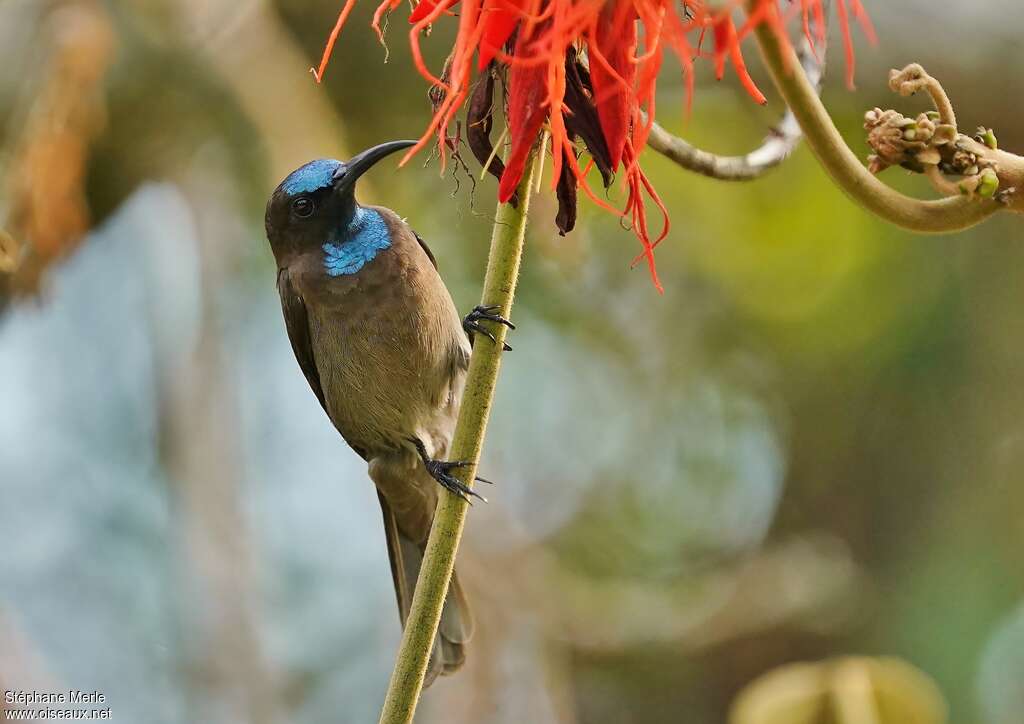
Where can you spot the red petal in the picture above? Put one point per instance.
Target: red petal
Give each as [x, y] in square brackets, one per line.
[722, 40]
[387, 6]
[844, 26]
[638, 183]
[500, 18]
[612, 73]
[727, 42]
[527, 92]
[425, 7]
[342, 17]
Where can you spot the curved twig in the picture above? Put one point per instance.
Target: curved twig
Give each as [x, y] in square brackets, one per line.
[777, 146]
[846, 170]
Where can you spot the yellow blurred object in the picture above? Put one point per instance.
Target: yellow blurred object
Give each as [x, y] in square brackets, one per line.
[44, 183]
[842, 691]
[9, 252]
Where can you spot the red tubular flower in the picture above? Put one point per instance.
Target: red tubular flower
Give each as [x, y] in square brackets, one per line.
[587, 69]
[527, 97]
[500, 19]
[613, 74]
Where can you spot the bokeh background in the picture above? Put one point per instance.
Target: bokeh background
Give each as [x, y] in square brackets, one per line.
[810, 446]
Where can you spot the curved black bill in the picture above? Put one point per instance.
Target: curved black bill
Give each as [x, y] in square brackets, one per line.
[348, 173]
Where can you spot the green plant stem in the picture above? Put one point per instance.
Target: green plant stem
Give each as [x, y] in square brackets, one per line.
[439, 558]
[945, 215]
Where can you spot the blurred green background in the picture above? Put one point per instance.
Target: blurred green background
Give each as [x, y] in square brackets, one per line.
[810, 446]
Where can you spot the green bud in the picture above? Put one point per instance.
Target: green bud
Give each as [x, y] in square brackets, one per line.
[989, 184]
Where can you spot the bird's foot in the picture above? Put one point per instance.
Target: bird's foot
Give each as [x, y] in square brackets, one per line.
[440, 470]
[472, 322]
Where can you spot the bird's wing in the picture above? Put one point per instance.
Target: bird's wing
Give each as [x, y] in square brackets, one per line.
[296, 319]
[423, 245]
[460, 356]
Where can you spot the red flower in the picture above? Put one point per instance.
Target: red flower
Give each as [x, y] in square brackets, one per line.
[541, 44]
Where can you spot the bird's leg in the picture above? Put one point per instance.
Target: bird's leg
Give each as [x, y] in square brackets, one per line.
[440, 470]
[472, 322]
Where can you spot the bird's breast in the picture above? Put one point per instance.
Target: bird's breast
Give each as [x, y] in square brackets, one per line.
[384, 333]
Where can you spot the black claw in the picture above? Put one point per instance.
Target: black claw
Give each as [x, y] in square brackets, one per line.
[472, 323]
[440, 470]
[488, 312]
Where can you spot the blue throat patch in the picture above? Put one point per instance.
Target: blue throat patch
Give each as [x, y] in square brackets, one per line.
[314, 176]
[366, 235]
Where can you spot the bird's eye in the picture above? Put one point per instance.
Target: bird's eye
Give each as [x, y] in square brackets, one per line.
[303, 207]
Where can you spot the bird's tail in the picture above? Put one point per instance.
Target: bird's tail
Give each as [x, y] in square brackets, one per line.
[456, 626]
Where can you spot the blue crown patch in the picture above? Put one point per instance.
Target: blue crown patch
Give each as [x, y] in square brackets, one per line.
[314, 176]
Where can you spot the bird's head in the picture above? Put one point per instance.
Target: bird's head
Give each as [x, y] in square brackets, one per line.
[317, 201]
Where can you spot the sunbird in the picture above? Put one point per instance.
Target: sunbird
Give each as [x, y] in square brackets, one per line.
[378, 338]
